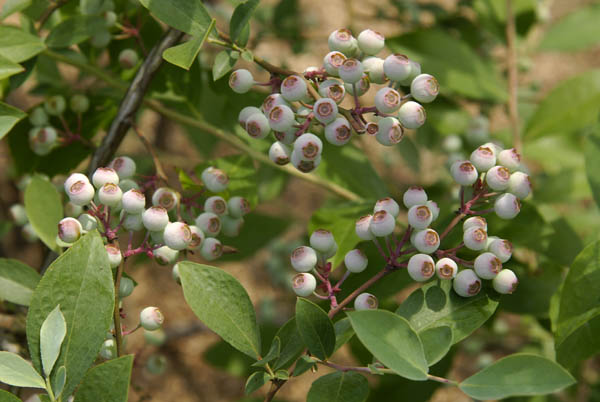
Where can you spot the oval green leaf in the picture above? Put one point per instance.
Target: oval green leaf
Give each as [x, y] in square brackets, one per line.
[75, 30]
[17, 45]
[189, 16]
[14, 370]
[9, 116]
[340, 386]
[17, 281]
[436, 343]
[108, 381]
[221, 302]
[291, 344]
[392, 341]
[6, 396]
[434, 305]
[80, 280]
[44, 209]
[315, 327]
[240, 20]
[576, 31]
[517, 375]
[52, 334]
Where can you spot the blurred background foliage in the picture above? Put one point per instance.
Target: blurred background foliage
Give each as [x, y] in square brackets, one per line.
[464, 45]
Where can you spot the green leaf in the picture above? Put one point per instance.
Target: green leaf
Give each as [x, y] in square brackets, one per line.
[434, 305]
[343, 332]
[457, 67]
[392, 341]
[52, 334]
[241, 19]
[106, 382]
[17, 281]
[515, 375]
[9, 116]
[80, 280]
[340, 386]
[221, 302]
[75, 30]
[256, 381]
[303, 364]
[315, 328]
[44, 209]
[282, 375]
[9, 68]
[579, 310]
[291, 344]
[575, 31]
[184, 54]
[224, 62]
[13, 6]
[272, 354]
[189, 16]
[555, 116]
[6, 396]
[340, 219]
[436, 343]
[59, 381]
[14, 370]
[592, 161]
[17, 45]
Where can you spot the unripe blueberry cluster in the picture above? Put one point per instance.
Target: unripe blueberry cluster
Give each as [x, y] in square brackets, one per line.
[19, 217]
[300, 103]
[497, 170]
[112, 192]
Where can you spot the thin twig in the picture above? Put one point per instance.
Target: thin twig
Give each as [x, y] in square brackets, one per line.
[160, 172]
[513, 82]
[132, 100]
[117, 312]
[50, 10]
[359, 290]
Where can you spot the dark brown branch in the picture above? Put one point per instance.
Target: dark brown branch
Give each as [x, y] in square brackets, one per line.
[132, 101]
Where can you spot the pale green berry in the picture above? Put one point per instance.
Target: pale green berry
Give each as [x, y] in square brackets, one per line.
[362, 228]
[519, 185]
[281, 118]
[198, 237]
[466, 283]
[303, 258]
[177, 235]
[303, 165]
[421, 267]
[322, 240]
[88, 222]
[483, 158]
[133, 201]
[110, 195]
[370, 42]
[231, 227]
[209, 223]
[238, 206]
[308, 146]
[325, 110]
[412, 115]
[166, 197]
[434, 208]
[475, 222]
[38, 117]
[446, 268]
[55, 105]
[351, 71]
[505, 282]
[415, 70]
[79, 103]
[214, 179]
[151, 318]
[43, 140]
[124, 166]
[510, 159]
[424, 88]
[69, 230]
[100, 39]
[257, 126]
[332, 62]
[382, 224]
[175, 274]
[464, 173]
[341, 40]
[240, 81]
[108, 350]
[365, 301]
[426, 241]
[81, 192]
[211, 249]
[18, 214]
[280, 153]
[156, 338]
[165, 255]
[475, 238]
[356, 261]
[245, 113]
[128, 58]
[332, 89]
[419, 216]
[389, 205]
[387, 100]
[104, 175]
[29, 233]
[126, 287]
[397, 67]
[293, 88]
[414, 195]
[361, 86]
[497, 178]
[338, 132]
[216, 205]
[502, 249]
[73, 210]
[507, 206]
[304, 284]
[155, 219]
[271, 101]
[487, 265]
[114, 255]
[389, 131]
[128, 184]
[373, 67]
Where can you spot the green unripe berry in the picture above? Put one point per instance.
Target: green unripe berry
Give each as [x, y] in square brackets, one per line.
[79, 103]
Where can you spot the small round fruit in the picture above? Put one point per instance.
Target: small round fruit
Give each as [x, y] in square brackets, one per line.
[43, 140]
[466, 283]
[351, 71]
[128, 184]
[387, 100]
[370, 42]
[281, 118]
[325, 110]
[424, 88]
[361, 86]
[332, 89]
[414, 196]
[231, 227]
[293, 88]
[483, 158]
[382, 224]
[365, 301]
[303, 165]
[108, 350]
[209, 223]
[303, 259]
[177, 235]
[104, 175]
[356, 261]
[69, 230]
[332, 62]
[55, 105]
[341, 40]
[257, 126]
[507, 206]
[155, 219]
[475, 238]
[211, 249]
[38, 117]
[412, 115]
[510, 159]
[79, 103]
[397, 67]
[124, 166]
[505, 282]
[216, 205]
[502, 249]
[165, 255]
[415, 70]
[280, 153]
[128, 58]
[322, 240]
[308, 146]
[389, 131]
[421, 267]
[434, 208]
[133, 201]
[338, 132]
[389, 205]
[487, 265]
[114, 255]
[126, 287]
[81, 192]
[271, 101]
[132, 222]
[464, 173]
[198, 237]
[245, 113]
[110, 195]
[88, 222]
[18, 214]
[446, 268]
[362, 228]
[419, 216]
[519, 185]
[475, 222]
[373, 67]
[497, 178]
[214, 179]
[238, 206]
[426, 241]
[151, 318]
[240, 81]
[304, 284]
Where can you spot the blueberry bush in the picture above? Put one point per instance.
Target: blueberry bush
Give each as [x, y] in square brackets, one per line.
[412, 202]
